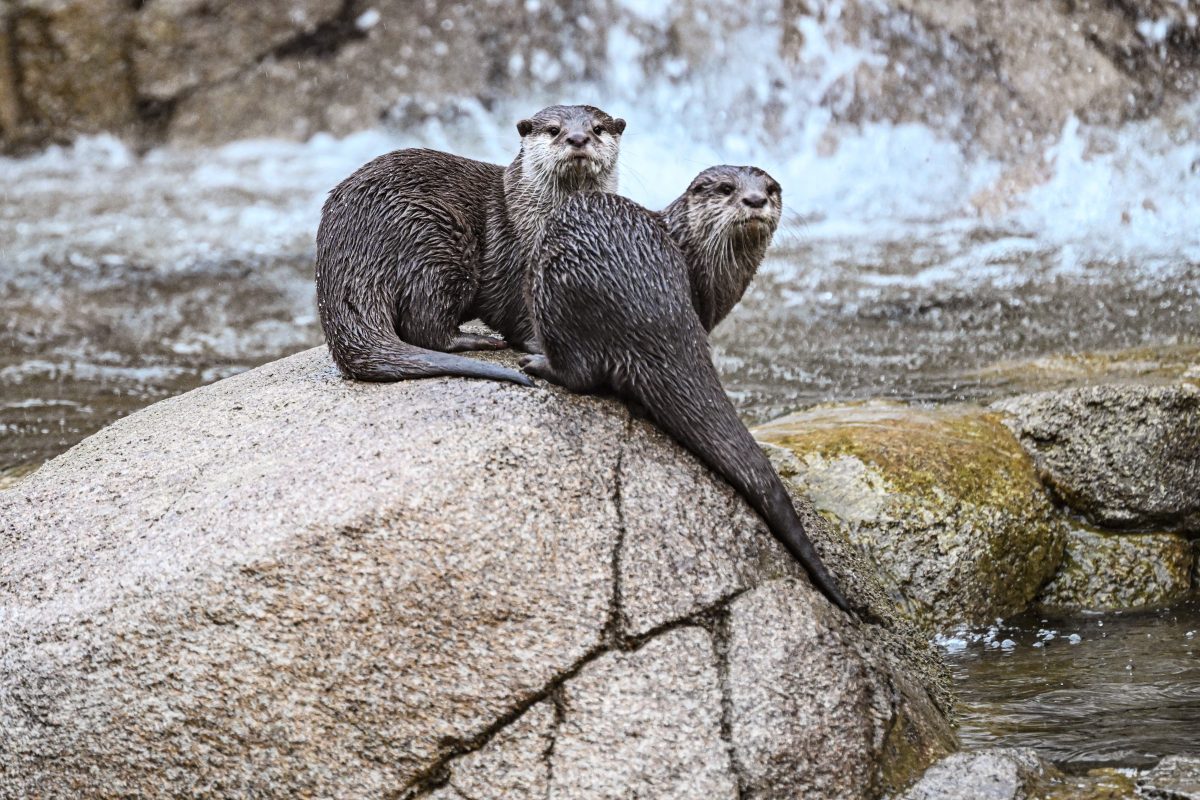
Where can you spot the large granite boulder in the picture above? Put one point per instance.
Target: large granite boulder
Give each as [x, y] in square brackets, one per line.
[1123, 455]
[944, 502]
[286, 583]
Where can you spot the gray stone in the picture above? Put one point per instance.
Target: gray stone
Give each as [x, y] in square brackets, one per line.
[513, 765]
[1110, 571]
[943, 502]
[215, 70]
[1123, 455]
[645, 724]
[289, 583]
[182, 44]
[289, 580]
[993, 774]
[715, 546]
[1174, 778]
[809, 721]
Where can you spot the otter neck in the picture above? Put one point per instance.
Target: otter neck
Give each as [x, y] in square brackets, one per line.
[720, 263]
[533, 189]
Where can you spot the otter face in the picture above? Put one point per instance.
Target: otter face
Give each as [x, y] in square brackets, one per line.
[736, 202]
[574, 146]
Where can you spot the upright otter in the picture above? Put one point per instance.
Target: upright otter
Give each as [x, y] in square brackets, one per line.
[723, 252]
[612, 304]
[416, 242]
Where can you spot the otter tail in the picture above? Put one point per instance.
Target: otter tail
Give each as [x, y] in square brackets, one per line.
[697, 414]
[387, 361]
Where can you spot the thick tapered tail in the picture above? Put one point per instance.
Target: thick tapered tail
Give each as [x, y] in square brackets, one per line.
[697, 414]
[386, 362]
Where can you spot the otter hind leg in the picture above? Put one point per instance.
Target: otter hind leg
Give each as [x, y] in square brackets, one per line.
[437, 290]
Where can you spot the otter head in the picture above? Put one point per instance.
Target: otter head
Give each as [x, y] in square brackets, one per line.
[739, 205]
[571, 148]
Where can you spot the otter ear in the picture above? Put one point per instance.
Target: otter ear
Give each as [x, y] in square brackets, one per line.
[619, 125]
[524, 127]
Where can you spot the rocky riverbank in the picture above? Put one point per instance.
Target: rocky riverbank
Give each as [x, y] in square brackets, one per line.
[289, 580]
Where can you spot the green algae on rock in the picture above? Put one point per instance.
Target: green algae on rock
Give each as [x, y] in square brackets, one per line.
[1111, 571]
[944, 502]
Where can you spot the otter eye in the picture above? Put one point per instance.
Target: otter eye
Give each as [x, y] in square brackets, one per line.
[599, 129]
[773, 189]
[725, 189]
[553, 130]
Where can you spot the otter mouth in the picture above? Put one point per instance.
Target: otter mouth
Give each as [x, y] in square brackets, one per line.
[755, 222]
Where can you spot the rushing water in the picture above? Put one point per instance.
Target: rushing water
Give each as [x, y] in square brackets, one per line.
[1098, 689]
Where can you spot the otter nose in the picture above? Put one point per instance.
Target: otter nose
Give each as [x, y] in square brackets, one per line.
[577, 139]
[755, 200]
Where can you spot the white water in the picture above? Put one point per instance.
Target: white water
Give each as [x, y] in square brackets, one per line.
[1127, 195]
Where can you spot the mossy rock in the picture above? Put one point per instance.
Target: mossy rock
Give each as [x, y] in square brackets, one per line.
[1110, 571]
[944, 502]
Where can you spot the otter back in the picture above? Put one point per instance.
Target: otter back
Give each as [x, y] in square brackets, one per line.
[611, 302]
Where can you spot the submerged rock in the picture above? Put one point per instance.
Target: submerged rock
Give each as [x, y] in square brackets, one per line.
[1123, 455]
[945, 503]
[994, 774]
[1003, 773]
[287, 583]
[1111, 571]
[1175, 778]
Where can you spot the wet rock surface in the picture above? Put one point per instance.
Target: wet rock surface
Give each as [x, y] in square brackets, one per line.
[287, 581]
[994, 774]
[1174, 778]
[944, 502]
[1016, 774]
[1123, 455]
[1110, 571]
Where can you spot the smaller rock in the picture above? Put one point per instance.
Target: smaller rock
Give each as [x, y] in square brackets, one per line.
[994, 774]
[944, 502]
[1175, 778]
[1107, 571]
[1123, 455]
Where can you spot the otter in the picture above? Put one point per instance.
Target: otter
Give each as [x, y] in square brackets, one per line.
[417, 241]
[723, 254]
[612, 303]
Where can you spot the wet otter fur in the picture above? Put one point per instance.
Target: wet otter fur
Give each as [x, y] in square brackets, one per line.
[612, 303]
[416, 242]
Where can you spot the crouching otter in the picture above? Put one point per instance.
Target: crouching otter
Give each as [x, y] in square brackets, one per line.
[615, 310]
[416, 242]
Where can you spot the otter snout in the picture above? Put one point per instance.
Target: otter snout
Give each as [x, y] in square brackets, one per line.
[578, 140]
[754, 200]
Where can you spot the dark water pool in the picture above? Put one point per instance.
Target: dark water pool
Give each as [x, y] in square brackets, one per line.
[1089, 690]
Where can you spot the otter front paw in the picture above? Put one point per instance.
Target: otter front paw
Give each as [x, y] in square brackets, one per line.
[538, 366]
